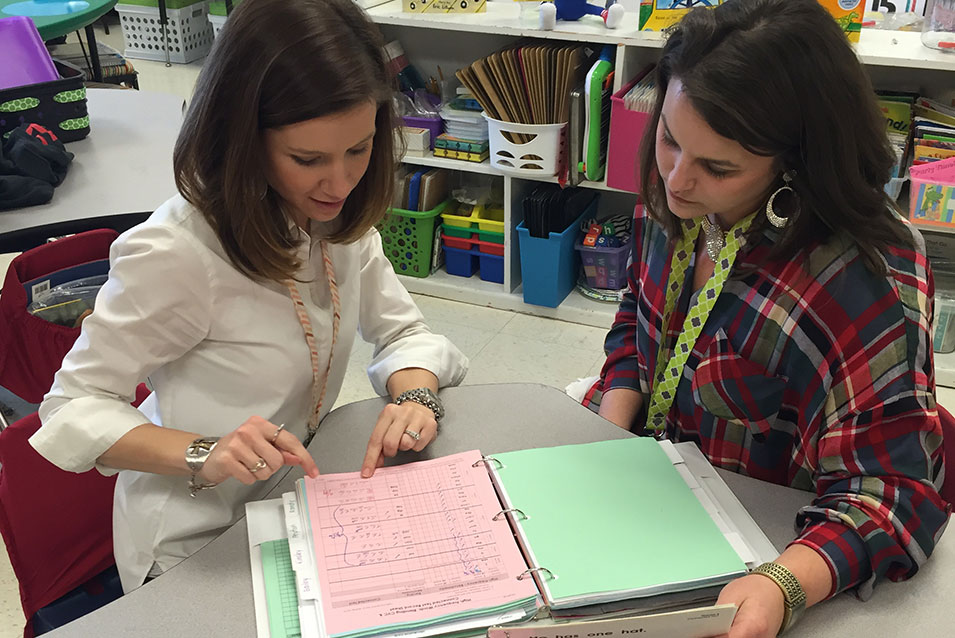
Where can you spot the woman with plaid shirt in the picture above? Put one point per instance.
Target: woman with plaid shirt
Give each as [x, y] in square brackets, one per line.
[779, 308]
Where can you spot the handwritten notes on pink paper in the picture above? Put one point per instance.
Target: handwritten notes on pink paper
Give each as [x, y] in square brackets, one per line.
[412, 543]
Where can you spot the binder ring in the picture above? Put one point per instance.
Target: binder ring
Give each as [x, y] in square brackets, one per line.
[528, 572]
[485, 460]
[497, 516]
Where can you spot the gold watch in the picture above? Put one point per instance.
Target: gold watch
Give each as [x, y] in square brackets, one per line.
[794, 597]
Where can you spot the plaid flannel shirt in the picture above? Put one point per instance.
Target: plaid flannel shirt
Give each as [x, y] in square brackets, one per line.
[815, 374]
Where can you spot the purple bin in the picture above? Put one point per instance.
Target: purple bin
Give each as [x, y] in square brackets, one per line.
[25, 58]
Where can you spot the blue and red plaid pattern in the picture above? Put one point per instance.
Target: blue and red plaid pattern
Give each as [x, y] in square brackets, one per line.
[815, 374]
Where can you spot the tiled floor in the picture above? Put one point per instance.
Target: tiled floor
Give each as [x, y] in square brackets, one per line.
[502, 346]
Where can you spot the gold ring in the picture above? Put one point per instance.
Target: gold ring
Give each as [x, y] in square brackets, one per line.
[415, 435]
[261, 465]
[276, 435]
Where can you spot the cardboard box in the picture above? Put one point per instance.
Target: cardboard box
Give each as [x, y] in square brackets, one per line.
[658, 15]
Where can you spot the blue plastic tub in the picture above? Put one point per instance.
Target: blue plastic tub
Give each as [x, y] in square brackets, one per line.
[492, 267]
[461, 263]
[465, 263]
[549, 266]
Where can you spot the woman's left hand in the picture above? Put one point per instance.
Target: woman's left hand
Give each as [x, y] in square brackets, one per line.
[394, 432]
[759, 603]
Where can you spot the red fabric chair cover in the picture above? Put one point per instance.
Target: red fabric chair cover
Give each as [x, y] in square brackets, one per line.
[31, 349]
[948, 441]
[57, 525]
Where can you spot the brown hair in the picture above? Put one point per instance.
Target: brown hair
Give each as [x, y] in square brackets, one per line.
[275, 63]
[780, 78]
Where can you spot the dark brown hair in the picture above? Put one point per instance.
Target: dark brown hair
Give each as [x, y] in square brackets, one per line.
[275, 63]
[780, 78]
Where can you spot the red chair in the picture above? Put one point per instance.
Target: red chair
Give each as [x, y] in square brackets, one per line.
[948, 441]
[58, 529]
[31, 349]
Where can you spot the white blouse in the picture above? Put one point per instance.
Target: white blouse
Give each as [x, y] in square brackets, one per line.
[217, 348]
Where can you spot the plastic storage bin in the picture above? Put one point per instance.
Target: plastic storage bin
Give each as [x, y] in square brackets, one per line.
[540, 156]
[460, 263]
[488, 236]
[626, 132]
[944, 341]
[407, 237]
[489, 220]
[216, 22]
[931, 204]
[59, 105]
[434, 125]
[490, 248]
[549, 266]
[188, 32]
[464, 263]
[25, 58]
[605, 267]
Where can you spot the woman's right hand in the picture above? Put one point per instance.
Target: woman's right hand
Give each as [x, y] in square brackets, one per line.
[253, 452]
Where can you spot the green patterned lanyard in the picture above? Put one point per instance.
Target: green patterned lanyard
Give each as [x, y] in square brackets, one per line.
[669, 369]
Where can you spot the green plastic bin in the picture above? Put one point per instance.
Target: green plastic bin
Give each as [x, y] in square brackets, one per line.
[407, 237]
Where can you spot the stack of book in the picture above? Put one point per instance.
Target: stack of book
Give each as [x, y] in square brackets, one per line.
[457, 544]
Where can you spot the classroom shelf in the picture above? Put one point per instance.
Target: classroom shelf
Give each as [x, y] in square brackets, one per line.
[901, 49]
[576, 308]
[947, 230]
[451, 164]
[485, 168]
[506, 18]
[876, 46]
[894, 60]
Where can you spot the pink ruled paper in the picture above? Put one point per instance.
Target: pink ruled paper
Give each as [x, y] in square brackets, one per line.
[413, 542]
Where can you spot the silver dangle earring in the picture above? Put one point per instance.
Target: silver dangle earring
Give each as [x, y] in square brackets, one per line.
[774, 219]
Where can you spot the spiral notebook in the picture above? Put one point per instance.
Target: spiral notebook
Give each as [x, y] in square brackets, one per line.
[456, 544]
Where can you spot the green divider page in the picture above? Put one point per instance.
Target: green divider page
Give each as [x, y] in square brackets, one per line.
[281, 598]
[613, 520]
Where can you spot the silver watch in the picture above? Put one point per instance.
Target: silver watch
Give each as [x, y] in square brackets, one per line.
[425, 397]
[198, 451]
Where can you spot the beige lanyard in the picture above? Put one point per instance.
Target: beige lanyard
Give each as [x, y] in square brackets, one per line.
[319, 383]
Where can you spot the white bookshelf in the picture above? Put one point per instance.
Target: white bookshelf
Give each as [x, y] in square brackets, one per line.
[432, 42]
[875, 47]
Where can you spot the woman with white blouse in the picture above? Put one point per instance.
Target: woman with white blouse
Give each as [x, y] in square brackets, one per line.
[239, 299]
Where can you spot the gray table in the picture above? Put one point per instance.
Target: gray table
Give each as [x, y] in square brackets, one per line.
[210, 594]
[120, 173]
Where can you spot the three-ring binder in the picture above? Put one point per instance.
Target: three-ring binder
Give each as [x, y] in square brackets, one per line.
[485, 460]
[504, 512]
[531, 570]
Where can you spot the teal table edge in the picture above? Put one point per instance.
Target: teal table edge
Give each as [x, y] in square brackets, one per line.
[54, 26]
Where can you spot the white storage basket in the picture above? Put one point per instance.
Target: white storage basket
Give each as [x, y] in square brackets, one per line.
[538, 157]
[188, 32]
[216, 22]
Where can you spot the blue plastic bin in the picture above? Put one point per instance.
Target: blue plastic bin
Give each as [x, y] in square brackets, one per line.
[492, 267]
[461, 263]
[549, 266]
[464, 263]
